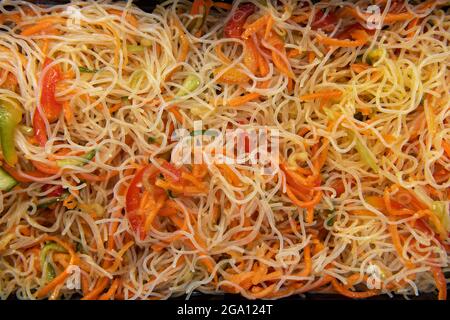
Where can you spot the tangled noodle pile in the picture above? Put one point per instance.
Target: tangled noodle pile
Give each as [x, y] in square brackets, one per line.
[92, 205]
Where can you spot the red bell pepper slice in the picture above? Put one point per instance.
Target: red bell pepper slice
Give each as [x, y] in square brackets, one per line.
[172, 169]
[133, 200]
[326, 23]
[57, 192]
[39, 128]
[235, 26]
[49, 106]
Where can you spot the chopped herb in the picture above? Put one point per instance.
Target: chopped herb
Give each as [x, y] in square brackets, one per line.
[86, 70]
[151, 140]
[49, 201]
[331, 218]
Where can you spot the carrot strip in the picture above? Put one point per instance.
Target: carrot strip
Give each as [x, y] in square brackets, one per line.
[303, 204]
[351, 294]
[68, 113]
[174, 110]
[359, 67]
[223, 5]
[243, 99]
[41, 25]
[398, 245]
[255, 27]
[268, 27]
[19, 177]
[441, 282]
[446, 147]
[251, 56]
[101, 285]
[111, 291]
[44, 168]
[221, 55]
[327, 94]
[55, 282]
[360, 37]
[311, 56]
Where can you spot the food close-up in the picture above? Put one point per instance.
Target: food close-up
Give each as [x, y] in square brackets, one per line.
[346, 194]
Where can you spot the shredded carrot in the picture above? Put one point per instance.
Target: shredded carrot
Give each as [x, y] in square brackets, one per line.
[251, 56]
[230, 175]
[359, 67]
[255, 27]
[223, 5]
[293, 53]
[45, 47]
[101, 285]
[398, 245]
[41, 26]
[174, 110]
[231, 76]
[352, 294]
[446, 147]
[441, 282]
[111, 291]
[243, 99]
[360, 37]
[327, 94]
[269, 26]
[221, 55]
[115, 107]
[68, 113]
[44, 168]
[279, 56]
[300, 18]
[303, 204]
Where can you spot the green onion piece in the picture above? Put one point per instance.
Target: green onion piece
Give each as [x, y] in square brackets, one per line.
[6, 181]
[134, 48]
[365, 154]
[49, 201]
[441, 210]
[10, 117]
[331, 218]
[190, 84]
[86, 70]
[50, 273]
[151, 140]
[77, 162]
[26, 130]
